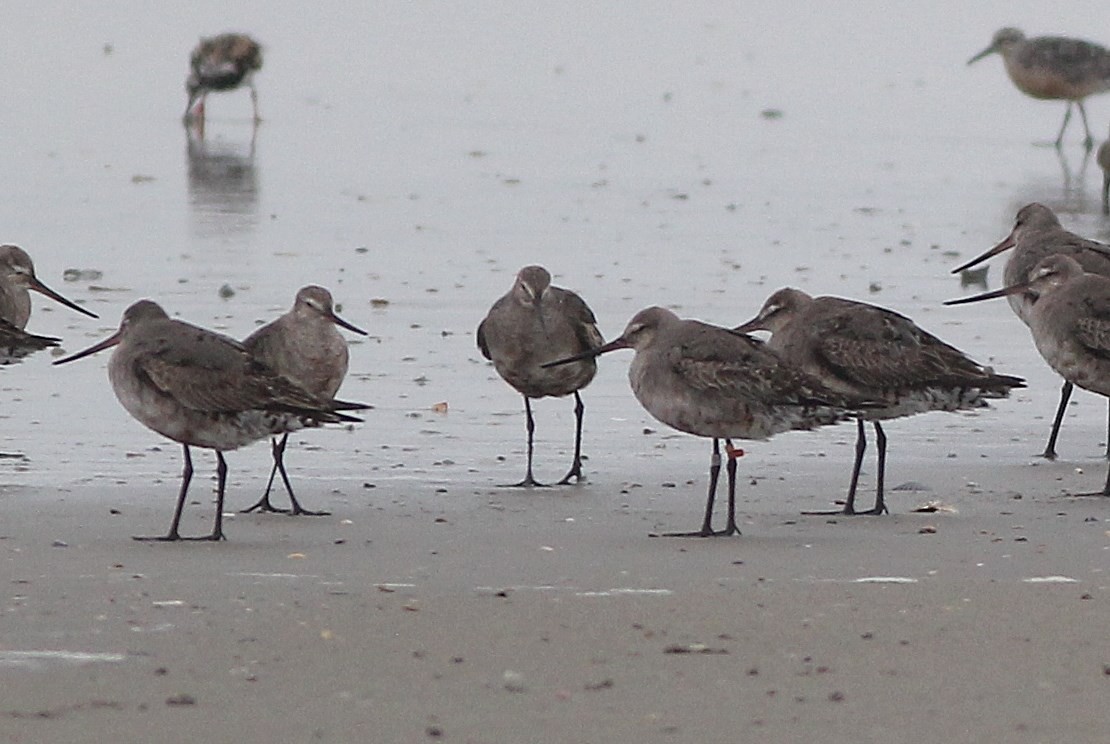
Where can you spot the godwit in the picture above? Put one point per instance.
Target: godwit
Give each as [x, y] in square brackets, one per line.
[869, 352]
[1053, 68]
[304, 346]
[17, 281]
[203, 389]
[1103, 159]
[712, 382]
[221, 63]
[535, 323]
[1037, 234]
[1070, 322]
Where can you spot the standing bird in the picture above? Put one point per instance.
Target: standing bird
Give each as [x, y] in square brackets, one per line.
[1070, 322]
[220, 63]
[535, 323]
[1053, 68]
[203, 389]
[712, 382]
[1037, 234]
[304, 346]
[865, 351]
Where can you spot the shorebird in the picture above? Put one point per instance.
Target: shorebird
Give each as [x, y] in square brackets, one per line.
[1053, 68]
[1037, 233]
[203, 389]
[712, 382]
[535, 323]
[17, 281]
[869, 352]
[1070, 322]
[1103, 159]
[304, 346]
[220, 63]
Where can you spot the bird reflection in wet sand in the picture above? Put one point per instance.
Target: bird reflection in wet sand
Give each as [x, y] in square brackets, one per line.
[712, 382]
[1037, 233]
[203, 389]
[221, 63]
[535, 323]
[866, 351]
[1103, 160]
[17, 281]
[303, 345]
[1053, 68]
[223, 185]
[1070, 322]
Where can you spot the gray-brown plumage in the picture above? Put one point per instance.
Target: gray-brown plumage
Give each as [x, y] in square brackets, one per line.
[221, 63]
[1053, 68]
[1037, 234]
[1070, 322]
[304, 346]
[869, 352]
[712, 382]
[536, 323]
[203, 389]
[17, 281]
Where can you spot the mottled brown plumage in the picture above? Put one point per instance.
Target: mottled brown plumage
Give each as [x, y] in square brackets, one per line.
[304, 346]
[712, 382]
[536, 323]
[221, 63]
[870, 352]
[203, 389]
[1053, 68]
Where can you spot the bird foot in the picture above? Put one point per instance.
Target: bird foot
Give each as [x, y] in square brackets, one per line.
[265, 506]
[1048, 454]
[174, 537]
[300, 511]
[528, 482]
[726, 532]
[1092, 494]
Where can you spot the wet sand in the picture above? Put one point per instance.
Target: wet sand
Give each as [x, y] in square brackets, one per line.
[412, 158]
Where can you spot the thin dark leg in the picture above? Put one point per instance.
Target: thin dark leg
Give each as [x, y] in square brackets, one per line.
[528, 481]
[714, 475]
[1108, 428]
[730, 467]
[1088, 140]
[880, 478]
[576, 466]
[1106, 193]
[254, 105]
[221, 485]
[277, 449]
[850, 504]
[1065, 395]
[298, 510]
[1064, 126]
[186, 476]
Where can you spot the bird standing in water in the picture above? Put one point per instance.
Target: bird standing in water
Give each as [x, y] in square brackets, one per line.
[1053, 68]
[221, 63]
[536, 323]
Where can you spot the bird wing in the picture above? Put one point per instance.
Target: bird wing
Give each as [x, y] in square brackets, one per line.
[481, 338]
[1092, 325]
[581, 317]
[738, 366]
[879, 349]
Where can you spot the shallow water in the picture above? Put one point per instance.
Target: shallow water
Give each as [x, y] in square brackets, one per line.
[421, 153]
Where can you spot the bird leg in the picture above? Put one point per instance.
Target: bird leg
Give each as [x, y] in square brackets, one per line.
[576, 467]
[1088, 141]
[529, 481]
[850, 504]
[880, 443]
[186, 476]
[221, 487]
[254, 105]
[714, 475]
[263, 505]
[1065, 395]
[1064, 126]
